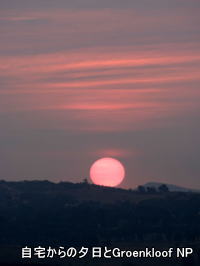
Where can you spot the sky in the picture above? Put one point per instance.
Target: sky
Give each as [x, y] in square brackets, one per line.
[85, 79]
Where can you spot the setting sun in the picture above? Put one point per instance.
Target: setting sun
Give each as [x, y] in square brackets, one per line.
[107, 172]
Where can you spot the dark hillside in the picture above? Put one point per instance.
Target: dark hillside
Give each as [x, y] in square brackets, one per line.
[66, 214]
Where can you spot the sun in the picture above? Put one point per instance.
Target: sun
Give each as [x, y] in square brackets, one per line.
[107, 172]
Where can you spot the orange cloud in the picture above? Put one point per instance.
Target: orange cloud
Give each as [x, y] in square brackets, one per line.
[102, 89]
[114, 152]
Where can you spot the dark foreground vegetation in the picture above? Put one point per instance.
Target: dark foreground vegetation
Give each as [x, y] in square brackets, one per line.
[41, 213]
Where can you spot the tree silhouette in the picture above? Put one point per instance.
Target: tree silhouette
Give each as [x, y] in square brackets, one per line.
[85, 181]
[141, 189]
[163, 188]
[151, 189]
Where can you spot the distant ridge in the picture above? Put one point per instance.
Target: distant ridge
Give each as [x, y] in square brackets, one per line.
[171, 187]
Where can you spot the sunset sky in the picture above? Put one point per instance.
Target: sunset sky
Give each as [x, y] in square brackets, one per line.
[85, 79]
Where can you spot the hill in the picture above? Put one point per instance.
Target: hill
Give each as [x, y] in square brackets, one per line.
[70, 193]
[43, 213]
[172, 188]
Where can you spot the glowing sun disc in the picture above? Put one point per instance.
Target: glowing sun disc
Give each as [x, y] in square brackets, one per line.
[107, 172]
